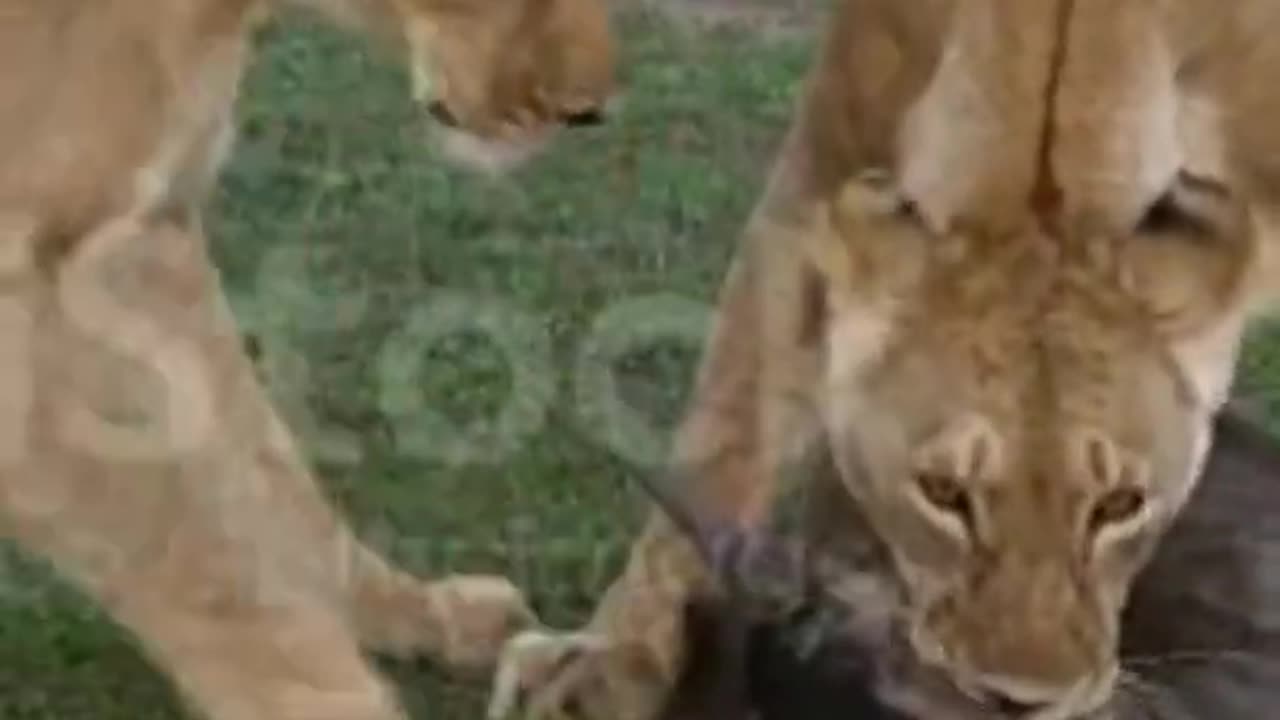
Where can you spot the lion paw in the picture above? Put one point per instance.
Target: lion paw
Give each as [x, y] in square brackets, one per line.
[477, 615]
[584, 676]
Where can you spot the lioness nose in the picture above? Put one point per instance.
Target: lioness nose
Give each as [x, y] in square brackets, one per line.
[1011, 707]
[584, 118]
[442, 114]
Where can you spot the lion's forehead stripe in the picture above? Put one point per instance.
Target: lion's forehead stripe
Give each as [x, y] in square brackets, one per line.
[971, 137]
[1123, 120]
[1117, 109]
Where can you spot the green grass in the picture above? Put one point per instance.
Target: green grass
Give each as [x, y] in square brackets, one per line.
[336, 225]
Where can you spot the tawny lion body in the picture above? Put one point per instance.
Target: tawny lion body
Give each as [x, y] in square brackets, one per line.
[1000, 274]
[137, 450]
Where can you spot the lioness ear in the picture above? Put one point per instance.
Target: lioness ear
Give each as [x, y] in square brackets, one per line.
[857, 235]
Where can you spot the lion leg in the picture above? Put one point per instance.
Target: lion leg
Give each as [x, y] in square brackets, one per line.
[215, 605]
[624, 665]
[286, 661]
[152, 469]
[461, 620]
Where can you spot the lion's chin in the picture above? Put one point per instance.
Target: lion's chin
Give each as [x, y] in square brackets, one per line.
[488, 156]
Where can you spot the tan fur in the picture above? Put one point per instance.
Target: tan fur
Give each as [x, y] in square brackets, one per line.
[1002, 269]
[137, 450]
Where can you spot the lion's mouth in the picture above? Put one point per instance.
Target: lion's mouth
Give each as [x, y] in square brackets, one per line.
[425, 93]
[590, 117]
[584, 118]
[441, 114]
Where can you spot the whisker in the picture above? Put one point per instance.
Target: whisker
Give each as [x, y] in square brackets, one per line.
[1140, 692]
[1184, 656]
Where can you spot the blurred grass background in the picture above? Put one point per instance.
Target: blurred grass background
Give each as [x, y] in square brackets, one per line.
[335, 223]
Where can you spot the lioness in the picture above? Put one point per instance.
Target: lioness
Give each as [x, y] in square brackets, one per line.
[1002, 270]
[137, 450]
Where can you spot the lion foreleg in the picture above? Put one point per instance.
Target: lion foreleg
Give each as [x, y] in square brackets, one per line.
[157, 475]
[743, 422]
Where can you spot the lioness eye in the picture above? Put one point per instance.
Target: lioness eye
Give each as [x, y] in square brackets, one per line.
[888, 196]
[1115, 507]
[946, 494]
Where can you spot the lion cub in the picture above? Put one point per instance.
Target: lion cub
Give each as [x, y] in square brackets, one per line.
[1001, 272]
[137, 450]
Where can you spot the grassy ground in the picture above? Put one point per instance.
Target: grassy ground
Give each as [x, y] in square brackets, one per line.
[337, 227]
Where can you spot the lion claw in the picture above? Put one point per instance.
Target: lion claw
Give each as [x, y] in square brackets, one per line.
[551, 676]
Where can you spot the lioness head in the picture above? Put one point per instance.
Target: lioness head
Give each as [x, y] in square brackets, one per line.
[502, 76]
[1022, 413]
[1029, 312]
